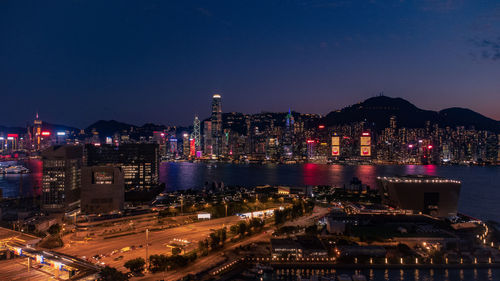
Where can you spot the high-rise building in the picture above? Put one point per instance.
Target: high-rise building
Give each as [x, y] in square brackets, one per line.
[37, 132]
[102, 189]
[498, 149]
[216, 120]
[288, 136]
[207, 138]
[196, 133]
[61, 178]
[185, 145]
[138, 161]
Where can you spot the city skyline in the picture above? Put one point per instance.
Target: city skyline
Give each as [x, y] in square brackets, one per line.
[160, 62]
[208, 116]
[250, 140]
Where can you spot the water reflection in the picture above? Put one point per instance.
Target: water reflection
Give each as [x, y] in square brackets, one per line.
[479, 194]
[390, 274]
[478, 197]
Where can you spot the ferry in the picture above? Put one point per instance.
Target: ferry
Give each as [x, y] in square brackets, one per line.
[16, 169]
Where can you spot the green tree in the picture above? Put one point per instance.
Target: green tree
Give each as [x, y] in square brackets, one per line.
[111, 274]
[135, 265]
[242, 228]
[158, 263]
[176, 251]
[54, 229]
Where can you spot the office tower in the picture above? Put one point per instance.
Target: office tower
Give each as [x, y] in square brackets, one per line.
[216, 125]
[288, 136]
[393, 122]
[61, 175]
[498, 149]
[207, 137]
[37, 132]
[311, 149]
[427, 194]
[103, 189]
[138, 161]
[196, 133]
[185, 145]
[172, 147]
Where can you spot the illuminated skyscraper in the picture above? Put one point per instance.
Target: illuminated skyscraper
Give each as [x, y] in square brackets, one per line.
[216, 125]
[37, 132]
[207, 138]
[196, 133]
[61, 178]
[288, 136]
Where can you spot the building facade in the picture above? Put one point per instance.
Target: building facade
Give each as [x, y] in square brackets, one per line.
[138, 161]
[216, 120]
[61, 179]
[423, 194]
[103, 189]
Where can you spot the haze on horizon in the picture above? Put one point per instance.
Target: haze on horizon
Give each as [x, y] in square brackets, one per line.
[160, 61]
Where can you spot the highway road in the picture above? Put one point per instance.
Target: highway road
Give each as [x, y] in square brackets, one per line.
[157, 241]
[206, 263]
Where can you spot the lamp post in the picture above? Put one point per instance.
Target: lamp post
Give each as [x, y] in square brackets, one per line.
[147, 248]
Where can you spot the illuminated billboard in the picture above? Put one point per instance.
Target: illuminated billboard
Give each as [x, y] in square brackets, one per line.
[102, 177]
[366, 151]
[365, 141]
[335, 141]
[192, 147]
[335, 150]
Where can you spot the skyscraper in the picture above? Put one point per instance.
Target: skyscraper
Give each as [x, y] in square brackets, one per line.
[138, 161]
[207, 138]
[216, 125]
[61, 178]
[37, 132]
[196, 133]
[288, 136]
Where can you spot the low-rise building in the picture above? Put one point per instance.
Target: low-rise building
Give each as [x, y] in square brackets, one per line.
[102, 190]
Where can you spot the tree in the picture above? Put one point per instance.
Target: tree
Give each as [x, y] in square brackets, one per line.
[158, 263]
[242, 228]
[203, 247]
[234, 229]
[54, 229]
[111, 274]
[176, 251]
[214, 241]
[135, 265]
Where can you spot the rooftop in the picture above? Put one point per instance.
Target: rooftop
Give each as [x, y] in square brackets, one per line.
[418, 179]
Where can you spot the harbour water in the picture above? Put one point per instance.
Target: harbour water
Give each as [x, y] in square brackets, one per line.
[479, 197]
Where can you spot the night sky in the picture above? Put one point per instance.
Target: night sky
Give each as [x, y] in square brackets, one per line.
[160, 61]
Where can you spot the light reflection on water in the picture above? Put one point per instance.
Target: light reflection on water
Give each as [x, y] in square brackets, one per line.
[479, 196]
[391, 274]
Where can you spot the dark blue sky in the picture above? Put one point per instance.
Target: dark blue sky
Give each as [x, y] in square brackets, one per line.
[160, 61]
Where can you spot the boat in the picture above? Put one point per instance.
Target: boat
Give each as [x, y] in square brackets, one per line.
[358, 277]
[16, 169]
[248, 274]
[344, 277]
[264, 267]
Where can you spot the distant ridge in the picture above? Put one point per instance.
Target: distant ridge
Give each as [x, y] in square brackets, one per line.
[109, 127]
[378, 110]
